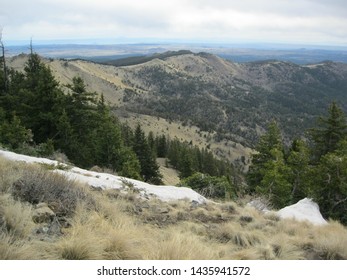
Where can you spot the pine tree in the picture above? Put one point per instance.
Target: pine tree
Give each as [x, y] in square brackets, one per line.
[108, 137]
[161, 146]
[81, 109]
[41, 101]
[275, 181]
[13, 134]
[149, 167]
[330, 131]
[329, 183]
[272, 139]
[299, 172]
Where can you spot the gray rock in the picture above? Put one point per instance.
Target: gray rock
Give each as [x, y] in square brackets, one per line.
[43, 214]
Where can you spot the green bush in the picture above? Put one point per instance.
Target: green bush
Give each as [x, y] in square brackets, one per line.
[209, 186]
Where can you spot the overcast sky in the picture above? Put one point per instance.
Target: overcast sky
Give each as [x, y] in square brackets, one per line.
[322, 22]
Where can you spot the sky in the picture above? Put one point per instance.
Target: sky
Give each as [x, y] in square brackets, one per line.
[320, 22]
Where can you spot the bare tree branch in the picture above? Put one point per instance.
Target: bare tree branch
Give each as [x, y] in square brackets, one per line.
[2, 46]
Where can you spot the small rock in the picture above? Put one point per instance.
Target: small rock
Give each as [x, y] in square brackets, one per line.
[164, 211]
[43, 214]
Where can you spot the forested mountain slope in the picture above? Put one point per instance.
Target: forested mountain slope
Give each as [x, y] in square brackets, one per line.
[232, 101]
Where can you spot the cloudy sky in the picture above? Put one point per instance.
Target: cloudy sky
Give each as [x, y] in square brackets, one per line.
[322, 22]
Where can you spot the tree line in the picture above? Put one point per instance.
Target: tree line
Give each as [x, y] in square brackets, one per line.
[312, 167]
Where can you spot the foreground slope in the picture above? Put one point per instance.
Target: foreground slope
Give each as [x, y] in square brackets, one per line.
[45, 215]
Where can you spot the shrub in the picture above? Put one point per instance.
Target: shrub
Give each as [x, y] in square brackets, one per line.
[209, 186]
[62, 195]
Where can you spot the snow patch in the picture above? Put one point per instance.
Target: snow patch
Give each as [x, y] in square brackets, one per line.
[109, 181]
[303, 210]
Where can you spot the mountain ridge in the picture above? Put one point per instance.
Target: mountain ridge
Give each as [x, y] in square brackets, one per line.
[221, 100]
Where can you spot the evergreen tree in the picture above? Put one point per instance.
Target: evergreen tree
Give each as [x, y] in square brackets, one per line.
[13, 134]
[272, 139]
[81, 109]
[108, 138]
[161, 145]
[275, 181]
[299, 172]
[330, 131]
[149, 167]
[40, 103]
[186, 165]
[329, 183]
[129, 164]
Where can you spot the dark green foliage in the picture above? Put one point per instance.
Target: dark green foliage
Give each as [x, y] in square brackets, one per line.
[37, 117]
[42, 100]
[209, 186]
[270, 141]
[329, 183]
[147, 157]
[13, 134]
[275, 181]
[269, 175]
[319, 172]
[188, 159]
[162, 146]
[330, 131]
[299, 170]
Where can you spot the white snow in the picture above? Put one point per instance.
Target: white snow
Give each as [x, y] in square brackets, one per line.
[303, 210]
[108, 181]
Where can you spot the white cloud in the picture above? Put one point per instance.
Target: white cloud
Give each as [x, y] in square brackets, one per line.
[305, 21]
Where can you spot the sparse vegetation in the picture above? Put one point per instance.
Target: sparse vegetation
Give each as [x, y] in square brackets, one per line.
[116, 227]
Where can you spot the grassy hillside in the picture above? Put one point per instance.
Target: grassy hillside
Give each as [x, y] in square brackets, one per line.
[45, 216]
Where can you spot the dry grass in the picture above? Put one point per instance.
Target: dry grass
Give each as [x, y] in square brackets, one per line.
[116, 226]
[15, 217]
[175, 245]
[330, 242]
[9, 173]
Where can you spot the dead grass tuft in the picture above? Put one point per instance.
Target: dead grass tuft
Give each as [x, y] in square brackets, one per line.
[15, 218]
[330, 241]
[13, 249]
[181, 246]
[10, 172]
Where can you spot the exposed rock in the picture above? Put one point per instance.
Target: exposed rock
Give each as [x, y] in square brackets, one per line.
[304, 210]
[259, 204]
[43, 214]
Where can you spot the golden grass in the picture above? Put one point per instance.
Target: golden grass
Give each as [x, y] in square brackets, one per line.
[13, 249]
[330, 241]
[118, 226]
[176, 245]
[9, 173]
[16, 217]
